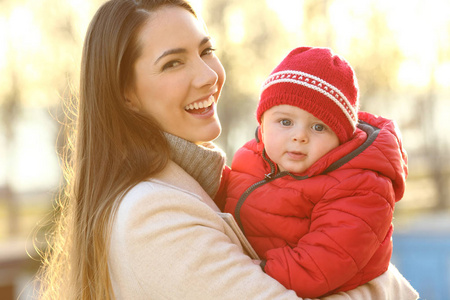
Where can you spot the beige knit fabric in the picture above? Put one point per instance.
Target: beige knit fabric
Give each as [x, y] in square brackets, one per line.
[203, 162]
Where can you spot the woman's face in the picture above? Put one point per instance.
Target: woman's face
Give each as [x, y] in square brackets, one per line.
[178, 78]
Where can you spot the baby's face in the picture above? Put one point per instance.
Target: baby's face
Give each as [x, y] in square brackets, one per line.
[294, 139]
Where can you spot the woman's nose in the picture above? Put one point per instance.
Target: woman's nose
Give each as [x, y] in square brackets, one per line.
[205, 75]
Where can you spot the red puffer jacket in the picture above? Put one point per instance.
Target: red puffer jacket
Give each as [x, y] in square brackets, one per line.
[328, 229]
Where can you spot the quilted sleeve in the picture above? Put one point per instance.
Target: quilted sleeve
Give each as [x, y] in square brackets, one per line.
[347, 226]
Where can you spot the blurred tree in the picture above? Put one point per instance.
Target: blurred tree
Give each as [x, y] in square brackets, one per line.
[40, 50]
[317, 29]
[63, 39]
[430, 115]
[10, 109]
[435, 148]
[376, 58]
[251, 41]
[361, 35]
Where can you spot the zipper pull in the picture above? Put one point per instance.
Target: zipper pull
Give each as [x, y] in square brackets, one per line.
[268, 176]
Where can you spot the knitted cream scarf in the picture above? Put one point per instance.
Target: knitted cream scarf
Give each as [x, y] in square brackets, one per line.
[203, 162]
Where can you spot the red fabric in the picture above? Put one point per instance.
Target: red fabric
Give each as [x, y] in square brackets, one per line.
[220, 197]
[330, 232]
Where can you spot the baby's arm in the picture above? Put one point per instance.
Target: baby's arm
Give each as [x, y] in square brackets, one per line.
[347, 227]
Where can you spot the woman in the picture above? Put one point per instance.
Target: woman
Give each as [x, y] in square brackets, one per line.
[139, 222]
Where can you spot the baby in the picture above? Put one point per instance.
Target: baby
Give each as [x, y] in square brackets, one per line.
[315, 191]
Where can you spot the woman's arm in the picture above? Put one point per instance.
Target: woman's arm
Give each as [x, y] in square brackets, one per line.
[389, 286]
[167, 244]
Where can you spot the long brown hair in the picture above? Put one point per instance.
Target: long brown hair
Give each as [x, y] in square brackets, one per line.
[115, 148]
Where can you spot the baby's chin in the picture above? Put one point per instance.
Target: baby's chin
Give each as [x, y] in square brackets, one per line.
[292, 170]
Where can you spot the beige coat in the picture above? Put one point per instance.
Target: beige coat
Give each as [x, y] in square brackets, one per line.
[168, 242]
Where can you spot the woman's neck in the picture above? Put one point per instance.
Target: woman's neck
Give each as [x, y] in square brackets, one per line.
[203, 162]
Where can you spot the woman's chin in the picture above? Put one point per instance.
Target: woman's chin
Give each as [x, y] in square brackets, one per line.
[208, 135]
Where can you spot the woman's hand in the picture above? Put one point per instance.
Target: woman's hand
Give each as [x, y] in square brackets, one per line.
[256, 261]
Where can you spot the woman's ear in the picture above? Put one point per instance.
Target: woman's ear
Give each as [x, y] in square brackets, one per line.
[131, 101]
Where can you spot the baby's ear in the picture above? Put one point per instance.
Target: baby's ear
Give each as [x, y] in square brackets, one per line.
[259, 138]
[260, 132]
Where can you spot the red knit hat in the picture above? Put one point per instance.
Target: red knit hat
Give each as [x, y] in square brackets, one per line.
[319, 82]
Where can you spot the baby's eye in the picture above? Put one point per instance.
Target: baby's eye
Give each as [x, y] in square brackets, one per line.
[319, 127]
[285, 122]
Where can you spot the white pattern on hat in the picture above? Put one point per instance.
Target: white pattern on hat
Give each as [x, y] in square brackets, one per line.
[317, 84]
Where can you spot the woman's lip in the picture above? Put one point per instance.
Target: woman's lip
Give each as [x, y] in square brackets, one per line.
[201, 103]
[204, 98]
[204, 113]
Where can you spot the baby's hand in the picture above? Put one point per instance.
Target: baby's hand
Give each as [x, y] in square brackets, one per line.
[256, 261]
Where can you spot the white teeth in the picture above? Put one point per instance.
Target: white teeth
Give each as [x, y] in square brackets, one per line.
[203, 104]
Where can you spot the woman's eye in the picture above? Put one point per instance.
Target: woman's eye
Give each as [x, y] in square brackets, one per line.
[319, 127]
[285, 122]
[207, 51]
[171, 64]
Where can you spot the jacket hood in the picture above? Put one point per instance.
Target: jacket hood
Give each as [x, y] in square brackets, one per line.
[376, 146]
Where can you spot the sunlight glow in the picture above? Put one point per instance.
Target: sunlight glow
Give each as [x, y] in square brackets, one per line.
[418, 28]
[197, 5]
[443, 75]
[34, 154]
[290, 12]
[23, 33]
[83, 12]
[236, 27]
[348, 19]
[413, 74]
[3, 43]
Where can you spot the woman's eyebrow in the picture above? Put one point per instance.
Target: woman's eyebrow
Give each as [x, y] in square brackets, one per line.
[205, 40]
[169, 52]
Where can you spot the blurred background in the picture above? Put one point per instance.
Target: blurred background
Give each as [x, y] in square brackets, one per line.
[400, 51]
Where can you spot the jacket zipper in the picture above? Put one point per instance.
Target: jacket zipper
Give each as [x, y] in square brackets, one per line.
[267, 178]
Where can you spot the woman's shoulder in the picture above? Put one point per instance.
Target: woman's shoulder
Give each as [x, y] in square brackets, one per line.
[171, 177]
[171, 185]
[170, 192]
[160, 203]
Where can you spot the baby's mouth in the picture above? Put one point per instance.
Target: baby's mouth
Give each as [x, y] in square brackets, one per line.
[200, 107]
[296, 155]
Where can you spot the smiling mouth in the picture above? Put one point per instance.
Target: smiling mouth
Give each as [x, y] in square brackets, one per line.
[200, 107]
